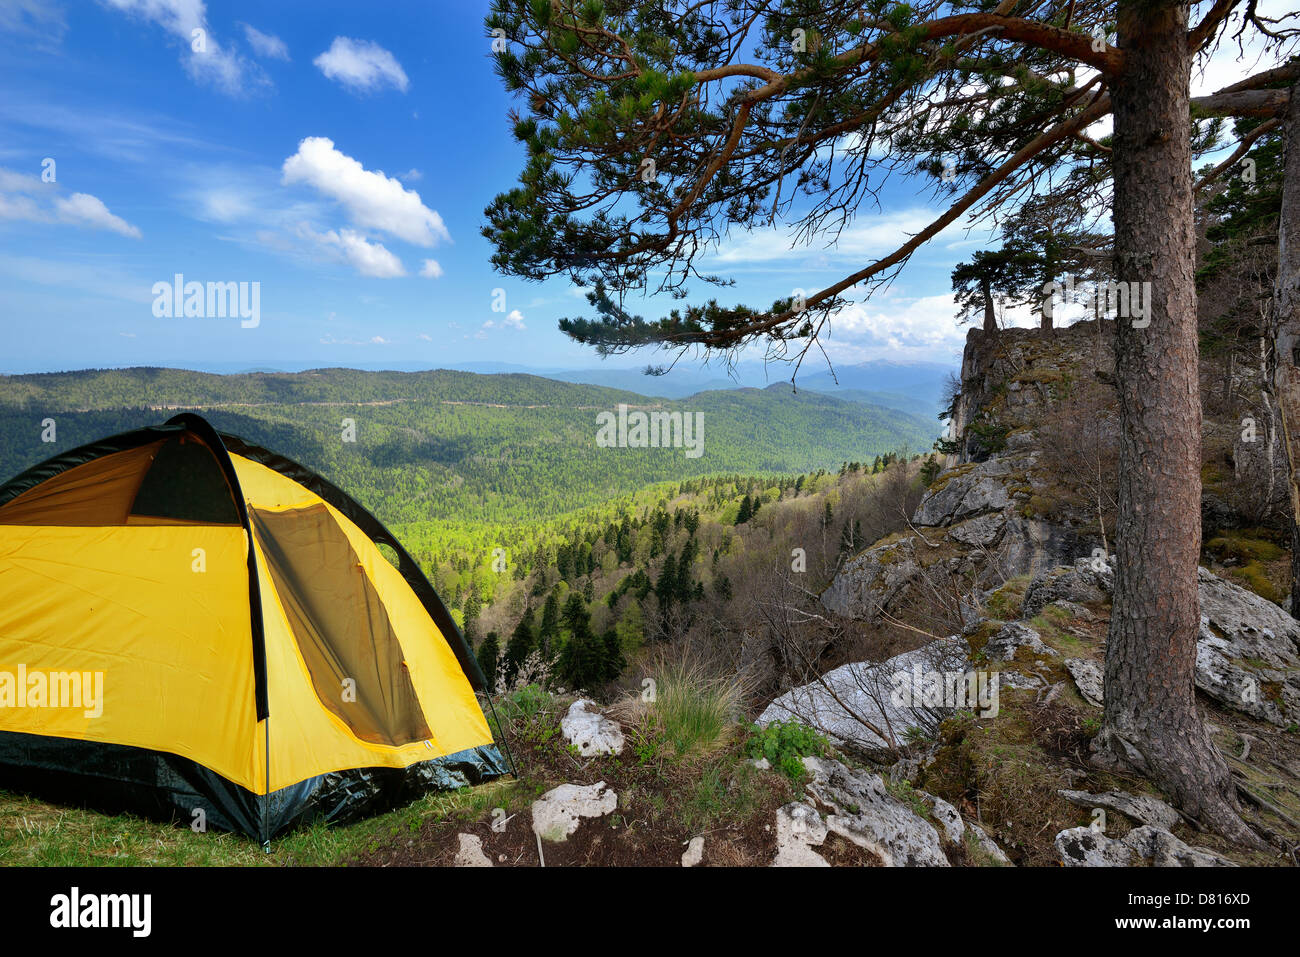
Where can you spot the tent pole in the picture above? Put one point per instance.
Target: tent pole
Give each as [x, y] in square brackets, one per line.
[266, 789]
[514, 771]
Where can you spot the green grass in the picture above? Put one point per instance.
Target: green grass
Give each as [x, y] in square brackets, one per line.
[1258, 560]
[1244, 545]
[1255, 576]
[34, 833]
[693, 714]
[904, 791]
[726, 791]
[1048, 627]
[1005, 603]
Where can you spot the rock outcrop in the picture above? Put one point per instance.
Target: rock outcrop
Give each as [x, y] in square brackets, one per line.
[799, 828]
[910, 829]
[1086, 847]
[1089, 677]
[558, 812]
[1008, 548]
[1013, 636]
[976, 523]
[1142, 808]
[589, 731]
[871, 706]
[470, 852]
[1085, 581]
[864, 812]
[1248, 653]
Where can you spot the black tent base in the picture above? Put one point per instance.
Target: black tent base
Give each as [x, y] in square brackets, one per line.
[116, 779]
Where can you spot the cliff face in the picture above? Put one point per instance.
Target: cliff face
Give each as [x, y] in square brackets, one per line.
[1010, 379]
[1030, 483]
[1002, 508]
[1029, 496]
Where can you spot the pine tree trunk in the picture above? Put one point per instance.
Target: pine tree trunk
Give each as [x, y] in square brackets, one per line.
[1286, 319]
[1151, 722]
[990, 319]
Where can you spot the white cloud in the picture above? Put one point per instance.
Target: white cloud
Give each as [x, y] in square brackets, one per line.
[98, 278]
[120, 136]
[926, 325]
[871, 236]
[369, 259]
[361, 66]
[82, 209]
[431, 269]
[265, 44]
[28, 199]
[206, 60]
[412, 175]
[902, 328]
[331, 340]
[513, 320]
[373, 200]
[226, 204]
[38, 21]
[249, 200]
[15, 182]
[22, 208]
[424, 337]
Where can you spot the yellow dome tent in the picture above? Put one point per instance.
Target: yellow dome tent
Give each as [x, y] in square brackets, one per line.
[194, 626]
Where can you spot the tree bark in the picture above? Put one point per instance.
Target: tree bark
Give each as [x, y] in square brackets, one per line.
[990, 318]
[1286, 327]
[1151, 723]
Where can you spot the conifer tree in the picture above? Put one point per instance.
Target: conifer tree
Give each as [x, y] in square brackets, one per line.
[522, 641]
[666, 584]
[488, 656]
[550, 627]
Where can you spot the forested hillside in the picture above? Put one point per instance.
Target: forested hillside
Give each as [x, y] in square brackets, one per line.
[454, 446]
[467, 467]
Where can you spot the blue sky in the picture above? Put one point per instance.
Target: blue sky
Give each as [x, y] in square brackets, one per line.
[340, 155]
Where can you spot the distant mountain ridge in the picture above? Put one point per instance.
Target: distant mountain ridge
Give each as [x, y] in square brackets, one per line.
[909, 387]
[447, 444]
[914, 388]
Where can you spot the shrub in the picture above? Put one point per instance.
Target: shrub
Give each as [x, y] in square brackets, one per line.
[904, 791]
[785, 744]
[526, 702]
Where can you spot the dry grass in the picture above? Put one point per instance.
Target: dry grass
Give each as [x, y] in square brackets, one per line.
[691, 712]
